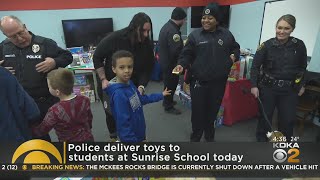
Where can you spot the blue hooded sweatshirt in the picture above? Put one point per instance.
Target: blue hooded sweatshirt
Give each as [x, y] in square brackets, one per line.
[126, 106]
[17, 109]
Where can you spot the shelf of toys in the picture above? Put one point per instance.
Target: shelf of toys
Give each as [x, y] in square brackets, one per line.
[84, 73]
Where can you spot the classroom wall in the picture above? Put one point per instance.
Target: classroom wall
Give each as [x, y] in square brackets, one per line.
[47, 23]
[314, 65]
[246, 22]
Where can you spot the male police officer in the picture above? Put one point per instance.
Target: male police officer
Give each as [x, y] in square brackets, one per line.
[210, 51]
[30, 58]
[170, 46]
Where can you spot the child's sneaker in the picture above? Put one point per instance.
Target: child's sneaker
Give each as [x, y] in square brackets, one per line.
[113, 139]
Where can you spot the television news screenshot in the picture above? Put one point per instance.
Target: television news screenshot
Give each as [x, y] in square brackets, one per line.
[160, 90]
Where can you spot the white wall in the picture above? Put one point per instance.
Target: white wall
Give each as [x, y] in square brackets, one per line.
[47, 23]
[307, 16]
[246, 24]
[314, 65]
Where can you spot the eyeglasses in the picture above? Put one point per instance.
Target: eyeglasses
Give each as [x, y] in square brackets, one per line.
[18, 34]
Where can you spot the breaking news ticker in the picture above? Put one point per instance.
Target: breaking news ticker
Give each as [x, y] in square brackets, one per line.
[41, 158]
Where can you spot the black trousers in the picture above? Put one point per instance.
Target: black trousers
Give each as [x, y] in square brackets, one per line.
[44, 103]
[206, 100]
[318, 135]
[170, 81]
[111, 124]
[285, 99]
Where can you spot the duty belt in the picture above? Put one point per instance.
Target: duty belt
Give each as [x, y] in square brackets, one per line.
[270, 81]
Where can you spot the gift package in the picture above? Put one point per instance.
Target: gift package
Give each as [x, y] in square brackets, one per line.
[241, 69]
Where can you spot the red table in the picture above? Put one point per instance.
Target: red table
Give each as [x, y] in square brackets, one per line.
[238, 102]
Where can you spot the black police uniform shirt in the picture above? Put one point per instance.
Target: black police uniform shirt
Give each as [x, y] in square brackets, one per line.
[208, 53]
[280, 61]
[170, 46]
[120, 40]
[24, 60]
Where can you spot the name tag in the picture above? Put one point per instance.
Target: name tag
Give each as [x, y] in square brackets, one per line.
[10, 55]
[203, 42]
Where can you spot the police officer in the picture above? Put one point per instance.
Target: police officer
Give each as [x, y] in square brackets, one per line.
[30, 58]
[170, 46]
[283, 60]
[137, 38]
[211, 51]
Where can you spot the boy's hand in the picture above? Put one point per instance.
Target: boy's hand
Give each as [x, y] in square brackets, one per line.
[166, 92]
[141, 90]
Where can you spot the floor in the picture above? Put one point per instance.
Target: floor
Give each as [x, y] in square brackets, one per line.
[163, 127]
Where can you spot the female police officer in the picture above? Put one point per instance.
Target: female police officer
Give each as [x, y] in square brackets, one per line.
[283, 60]
[210, 51]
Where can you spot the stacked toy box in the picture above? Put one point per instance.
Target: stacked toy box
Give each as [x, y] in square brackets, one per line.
[82, 87]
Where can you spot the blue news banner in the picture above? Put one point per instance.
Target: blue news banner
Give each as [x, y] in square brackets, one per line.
[233, 159]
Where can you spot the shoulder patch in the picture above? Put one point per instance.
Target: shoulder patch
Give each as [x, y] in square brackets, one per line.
[176, 38]
[260, 47]
[294, 40]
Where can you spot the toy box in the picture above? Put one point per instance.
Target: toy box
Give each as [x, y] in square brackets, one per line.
[76, 50]
[78, 89]
[219, 120]
[185, 99]
[86, 60]
[85, 91]
[89, 94]
[80, 80]
[234, 72]
[249, 60]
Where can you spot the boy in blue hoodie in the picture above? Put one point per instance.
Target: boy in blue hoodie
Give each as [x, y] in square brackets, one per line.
[125, 100]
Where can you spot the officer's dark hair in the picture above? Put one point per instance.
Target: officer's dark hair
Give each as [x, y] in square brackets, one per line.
[290, 19]
[61, 79]
[11, 17]
[120, 54]
[137, 21]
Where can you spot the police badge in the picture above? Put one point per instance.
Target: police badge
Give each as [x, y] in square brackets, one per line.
[35, 48]
[207, 11]
[176, 38]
